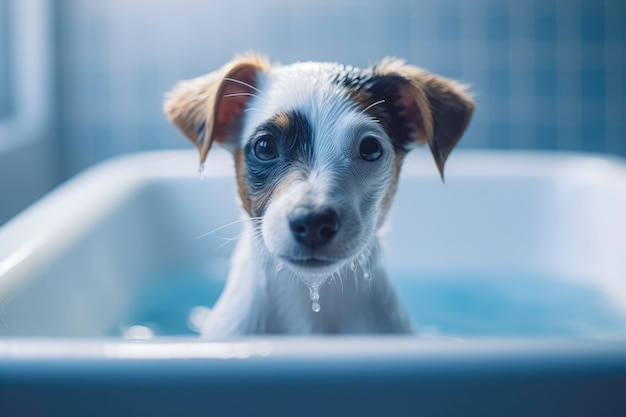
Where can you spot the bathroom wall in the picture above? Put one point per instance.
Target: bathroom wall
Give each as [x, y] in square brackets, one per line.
[548, 74]
[28, 144]
[5, 68]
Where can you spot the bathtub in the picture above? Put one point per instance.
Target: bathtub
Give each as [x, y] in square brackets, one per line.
[514, 271]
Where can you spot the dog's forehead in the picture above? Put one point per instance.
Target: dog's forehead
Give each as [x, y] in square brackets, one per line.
[323, 92]
[313, 86]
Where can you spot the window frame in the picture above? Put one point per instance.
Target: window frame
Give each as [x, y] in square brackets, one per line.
[29, 50]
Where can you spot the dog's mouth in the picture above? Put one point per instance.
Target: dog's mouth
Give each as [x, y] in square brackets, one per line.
[312, 265]
[312, 262]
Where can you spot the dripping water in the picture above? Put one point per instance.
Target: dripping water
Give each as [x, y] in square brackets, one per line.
[363, 260]
[314, 294]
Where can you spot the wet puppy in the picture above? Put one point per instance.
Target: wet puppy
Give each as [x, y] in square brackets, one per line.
[318, 148]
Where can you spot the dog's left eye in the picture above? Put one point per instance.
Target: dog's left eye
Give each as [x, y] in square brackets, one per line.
[265, 148]
[370, 149]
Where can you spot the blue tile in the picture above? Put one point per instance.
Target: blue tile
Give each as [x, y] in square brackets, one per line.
[545, 82]
[498, 29]
[399, 29]
[398, 22]
[449, 59]
[499, 135]
[449, 28]
[592, 29]
[543, 8]
[593, 83]
[449, 21]
[546, 136]
[594, 8]
[499, 83]
[546, 110]
[544, 29]
[108, 73]
[593, 136]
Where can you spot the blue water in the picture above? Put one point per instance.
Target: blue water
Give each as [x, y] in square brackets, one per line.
[166, 300]
[509, 306]
[445, 305]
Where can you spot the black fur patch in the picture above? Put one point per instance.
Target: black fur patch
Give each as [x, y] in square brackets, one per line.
[295, 149]
[366, 88]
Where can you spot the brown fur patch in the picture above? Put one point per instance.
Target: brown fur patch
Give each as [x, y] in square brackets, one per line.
[439, 108]
[361, 97]
[201, 100]
[393, 187]
[262, 200]
[379, 109]
[242, 184]
[286, 182]
[282, 121]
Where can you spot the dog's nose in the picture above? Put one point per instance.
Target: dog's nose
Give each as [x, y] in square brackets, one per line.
[313, 228]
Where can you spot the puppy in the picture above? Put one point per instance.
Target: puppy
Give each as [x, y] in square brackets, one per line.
[318, 149]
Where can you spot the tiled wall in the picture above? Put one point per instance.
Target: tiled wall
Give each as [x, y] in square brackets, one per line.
[548, 74]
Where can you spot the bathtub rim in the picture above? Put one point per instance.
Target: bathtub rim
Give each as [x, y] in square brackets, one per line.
[347, 348]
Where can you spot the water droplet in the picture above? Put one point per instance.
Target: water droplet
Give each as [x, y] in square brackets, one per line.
[314, 294]
[201, 171]
[362, 259]
[314, 284]
[352, 265]
[138, 332]
[366, 275]
[279, 267]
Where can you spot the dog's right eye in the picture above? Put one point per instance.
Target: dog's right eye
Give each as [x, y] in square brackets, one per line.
[370, 149]
[265, 148]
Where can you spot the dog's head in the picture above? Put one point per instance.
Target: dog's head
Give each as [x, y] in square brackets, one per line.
[318, 147]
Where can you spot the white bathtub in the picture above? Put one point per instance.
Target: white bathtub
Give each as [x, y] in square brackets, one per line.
[514, 270]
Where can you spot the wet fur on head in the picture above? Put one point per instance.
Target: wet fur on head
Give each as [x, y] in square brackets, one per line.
[427, 108]
[317, 146]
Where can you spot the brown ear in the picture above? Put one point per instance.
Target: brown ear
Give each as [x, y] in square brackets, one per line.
[210, 107]
[434, 109]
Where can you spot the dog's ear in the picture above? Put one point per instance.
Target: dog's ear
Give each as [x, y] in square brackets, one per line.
[433, 109]
[210, 107]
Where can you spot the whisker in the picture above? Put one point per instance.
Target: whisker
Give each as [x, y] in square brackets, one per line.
[245, 84]
[220, 228]
[242, 94]
[369, 266]
[229, 240]
[341, 282]
[226, 225]
[292, 281]
[376, 103]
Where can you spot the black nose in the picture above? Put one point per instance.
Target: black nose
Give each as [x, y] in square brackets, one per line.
[313, 228]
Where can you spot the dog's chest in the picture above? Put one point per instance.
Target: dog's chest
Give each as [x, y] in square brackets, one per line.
[348, 304]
